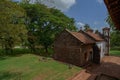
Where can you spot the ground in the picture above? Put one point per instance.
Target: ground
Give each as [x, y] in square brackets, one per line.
[110, 65]
[32, 67]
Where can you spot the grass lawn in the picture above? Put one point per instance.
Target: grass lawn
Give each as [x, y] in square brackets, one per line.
[29, 67]
[114, 52]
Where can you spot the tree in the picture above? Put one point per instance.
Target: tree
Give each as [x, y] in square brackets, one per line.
[115, 37]
[110, 22]
[11, 24]
[44, 23]
[37, 1]
[86, 26]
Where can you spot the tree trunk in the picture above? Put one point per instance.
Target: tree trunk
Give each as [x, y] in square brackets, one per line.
[46, 49]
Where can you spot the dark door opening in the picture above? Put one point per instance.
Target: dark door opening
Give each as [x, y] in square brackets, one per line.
[91, 56]
[96, 54]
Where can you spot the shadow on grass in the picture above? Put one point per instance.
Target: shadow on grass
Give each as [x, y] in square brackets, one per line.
[10, 76]
[3, 57]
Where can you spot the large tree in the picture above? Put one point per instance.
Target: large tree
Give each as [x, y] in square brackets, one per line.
[44, 23]
[11, 24]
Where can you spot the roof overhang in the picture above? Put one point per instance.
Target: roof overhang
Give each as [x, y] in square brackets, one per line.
[113, 7]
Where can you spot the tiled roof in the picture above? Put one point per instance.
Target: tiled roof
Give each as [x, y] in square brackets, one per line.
[83, 38]
[86, 37]
[97, 37]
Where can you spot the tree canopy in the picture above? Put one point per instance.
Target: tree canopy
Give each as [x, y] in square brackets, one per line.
[86, 26]
[34, 24]
[11, 24]
[44, 23]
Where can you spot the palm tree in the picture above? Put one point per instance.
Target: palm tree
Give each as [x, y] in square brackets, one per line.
[110, 22]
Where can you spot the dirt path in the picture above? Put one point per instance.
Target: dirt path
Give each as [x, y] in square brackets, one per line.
[110, 65]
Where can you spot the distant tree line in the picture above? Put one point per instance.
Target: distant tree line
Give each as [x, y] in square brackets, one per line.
[30, 25]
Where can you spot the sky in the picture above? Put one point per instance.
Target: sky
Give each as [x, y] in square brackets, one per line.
[92, 12]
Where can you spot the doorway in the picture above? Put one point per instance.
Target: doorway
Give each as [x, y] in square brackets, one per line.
[96, 54]
[91, 56]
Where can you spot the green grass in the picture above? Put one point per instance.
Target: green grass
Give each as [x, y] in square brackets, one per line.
[114, 52]
[29, 67]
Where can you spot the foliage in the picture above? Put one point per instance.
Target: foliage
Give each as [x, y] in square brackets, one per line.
[115, 48]
[11, 24]
[32, 67]
[86, 26]
[110, 22]
[21, 51]
[36, 1]
[115, 37]
[30, 24]
[44, 23]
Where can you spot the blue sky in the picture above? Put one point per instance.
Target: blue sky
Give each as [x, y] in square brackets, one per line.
[92, 12]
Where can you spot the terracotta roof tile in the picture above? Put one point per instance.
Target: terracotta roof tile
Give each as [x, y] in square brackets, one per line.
[95, 36]
[83, 38]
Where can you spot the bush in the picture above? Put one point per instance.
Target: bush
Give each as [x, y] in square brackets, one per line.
[19, 51]
[42, 52]
[16, 51]
[115, 48]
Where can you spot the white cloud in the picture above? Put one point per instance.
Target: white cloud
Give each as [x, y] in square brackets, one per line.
[62, 5]
[100, 1]
[96, 23]
[80, 25]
